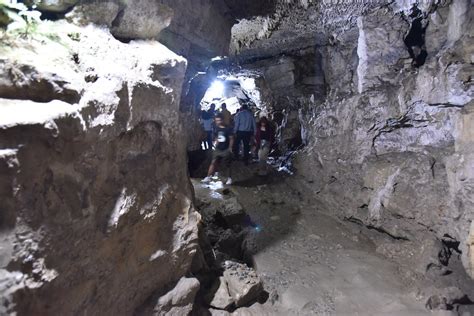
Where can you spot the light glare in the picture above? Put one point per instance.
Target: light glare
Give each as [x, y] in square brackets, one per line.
[217, 89]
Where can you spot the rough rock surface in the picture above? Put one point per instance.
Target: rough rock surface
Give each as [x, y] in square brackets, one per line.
[220, 296]
[393, 152]
[141, 19]
[243, 283]
[96, 208]
[56, 5]
[388, 143]
[180, 300]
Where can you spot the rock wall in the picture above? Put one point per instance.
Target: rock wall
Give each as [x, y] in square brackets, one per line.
[96, 213]
[391, 147]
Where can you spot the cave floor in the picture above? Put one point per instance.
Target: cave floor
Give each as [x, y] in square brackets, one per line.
[313, 264]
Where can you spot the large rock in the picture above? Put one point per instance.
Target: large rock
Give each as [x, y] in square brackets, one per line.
[96, 208]
[95, 11]
[141, 19]
[243, 283]
[57, 6]
[239, 286]
[221, 298]
[180, 300]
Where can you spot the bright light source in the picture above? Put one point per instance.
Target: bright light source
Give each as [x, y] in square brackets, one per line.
[217, 89]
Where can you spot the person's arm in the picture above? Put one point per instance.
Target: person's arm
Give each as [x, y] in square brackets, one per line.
[236, 123]
[214, 137]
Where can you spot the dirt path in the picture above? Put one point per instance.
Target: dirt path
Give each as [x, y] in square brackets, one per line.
[312, 264]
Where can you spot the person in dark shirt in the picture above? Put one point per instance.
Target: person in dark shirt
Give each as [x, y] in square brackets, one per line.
[207, 121]
[244, 129]
[223, 142]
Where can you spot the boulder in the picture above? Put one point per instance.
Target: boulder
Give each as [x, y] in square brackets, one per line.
[141, 19]
[95, 11]
[232, 211]
[57, 6]
[243, 283]
[221, 298]
[445, 299]
[180, 300]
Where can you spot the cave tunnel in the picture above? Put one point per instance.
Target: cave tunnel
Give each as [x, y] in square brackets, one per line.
[337, 180]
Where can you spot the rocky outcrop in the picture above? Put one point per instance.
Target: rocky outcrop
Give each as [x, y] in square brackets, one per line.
[96, 208]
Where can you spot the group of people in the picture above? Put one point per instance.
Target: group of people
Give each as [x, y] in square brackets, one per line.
[225, 134]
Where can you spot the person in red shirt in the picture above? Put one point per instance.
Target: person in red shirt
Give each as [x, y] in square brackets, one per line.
[264, 137]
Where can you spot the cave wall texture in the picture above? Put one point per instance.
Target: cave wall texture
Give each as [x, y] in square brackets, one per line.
[389, 145]
[97, 209]
[392, 150]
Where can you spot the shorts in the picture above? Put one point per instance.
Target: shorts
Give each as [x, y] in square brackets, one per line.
[218, 154]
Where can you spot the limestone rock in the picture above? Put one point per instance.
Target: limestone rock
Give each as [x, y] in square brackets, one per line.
[141, 19]
[445, 299]
[94, 11]
[180, 300]
[218, 312]
[243, 283]
[281, 75]
[380, 47]
[84, 186]
[27, 82]
[221, 297]
[233, 211]
[56, 5]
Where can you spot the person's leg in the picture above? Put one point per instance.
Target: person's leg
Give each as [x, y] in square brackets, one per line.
[228, 163]
[262, 160]
[209, 139]
[246, 140]
[235, 149]
[211, 169]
